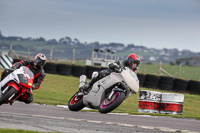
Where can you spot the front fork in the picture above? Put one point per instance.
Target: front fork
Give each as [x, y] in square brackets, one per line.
[116, 89]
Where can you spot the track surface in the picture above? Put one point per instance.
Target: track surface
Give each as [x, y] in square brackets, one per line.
[56, 119]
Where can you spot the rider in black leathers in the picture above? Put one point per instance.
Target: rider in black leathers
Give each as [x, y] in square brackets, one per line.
[132, 62]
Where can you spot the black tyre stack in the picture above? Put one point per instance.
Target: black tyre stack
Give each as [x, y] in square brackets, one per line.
[142, 78]
[194, 87]
[180, 85]
[152, 81]
[50, 68]
[166, 83]
[77, 71]
[64, 69]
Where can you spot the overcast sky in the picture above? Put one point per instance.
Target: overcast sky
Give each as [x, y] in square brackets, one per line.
[151, 23]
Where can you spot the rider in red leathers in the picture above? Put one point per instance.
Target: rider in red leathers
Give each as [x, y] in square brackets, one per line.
[36, 67]
[132, 62]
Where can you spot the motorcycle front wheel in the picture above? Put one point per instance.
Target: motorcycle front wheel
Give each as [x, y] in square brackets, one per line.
[76, 102]
[109, 105]
[11, 91]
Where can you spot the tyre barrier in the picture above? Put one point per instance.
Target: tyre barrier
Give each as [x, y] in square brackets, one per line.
[64, 69]
[180, 85]
[152, 81]
[157, 102]
[166, 83]
[148, 80]
[77, 71]
[194, 87]
[90, 70]
[171, 103]
[50, 68]
[141, 78]
[149, 101]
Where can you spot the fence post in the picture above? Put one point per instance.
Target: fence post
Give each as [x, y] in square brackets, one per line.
[11, 51]
[92, 60]
[179, 70]
[51, 54]
[73, 56]
[159, 67]
[145, 67]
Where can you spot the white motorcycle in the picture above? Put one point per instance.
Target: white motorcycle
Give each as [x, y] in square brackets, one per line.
[107, 93]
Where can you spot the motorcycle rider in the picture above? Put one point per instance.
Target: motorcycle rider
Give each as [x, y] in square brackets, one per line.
[36, 66]
[132, 61]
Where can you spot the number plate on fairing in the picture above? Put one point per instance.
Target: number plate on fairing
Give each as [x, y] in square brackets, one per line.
[131, 79]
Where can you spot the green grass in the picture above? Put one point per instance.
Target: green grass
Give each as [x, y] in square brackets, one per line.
[57, 89]
[4, 130]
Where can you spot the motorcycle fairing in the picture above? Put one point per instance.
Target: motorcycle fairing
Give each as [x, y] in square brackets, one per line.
[97, 93]
[7, 79]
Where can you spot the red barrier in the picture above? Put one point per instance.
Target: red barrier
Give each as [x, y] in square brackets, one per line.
[149, 101]
[172, 103]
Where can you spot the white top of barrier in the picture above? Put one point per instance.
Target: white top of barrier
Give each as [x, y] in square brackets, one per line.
[172, 97]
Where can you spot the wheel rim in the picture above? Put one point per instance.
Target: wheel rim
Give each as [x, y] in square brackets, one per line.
[107, 102]
[75, 99]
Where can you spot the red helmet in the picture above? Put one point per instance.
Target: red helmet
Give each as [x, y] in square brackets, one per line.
[131, 60]
[40, 60]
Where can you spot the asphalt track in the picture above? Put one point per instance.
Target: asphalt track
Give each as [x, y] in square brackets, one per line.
[48, 118]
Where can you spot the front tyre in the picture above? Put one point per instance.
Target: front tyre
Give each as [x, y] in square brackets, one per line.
[7, 95]
[109, 105]
[76, 102]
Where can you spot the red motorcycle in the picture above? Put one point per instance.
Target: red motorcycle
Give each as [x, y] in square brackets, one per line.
[15, 84]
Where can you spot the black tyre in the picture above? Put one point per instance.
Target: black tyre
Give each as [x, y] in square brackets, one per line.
[109, 105]
[76, 103]
[50, 68]
[64, 69]
[166, 83]
[180, 85]
[142, 78]
[194, 87]
[77, 71]
[7, 95]
[152, 81]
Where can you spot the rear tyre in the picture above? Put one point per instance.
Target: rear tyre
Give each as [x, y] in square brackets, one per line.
[109, 105]
[76, 102]
[11, 91]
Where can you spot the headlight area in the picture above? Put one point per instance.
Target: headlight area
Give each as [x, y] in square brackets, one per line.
[24, 81]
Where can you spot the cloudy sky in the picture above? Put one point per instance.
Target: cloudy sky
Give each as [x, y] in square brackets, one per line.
[151, 23]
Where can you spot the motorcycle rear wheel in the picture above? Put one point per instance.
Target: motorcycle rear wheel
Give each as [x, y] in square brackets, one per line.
[109, 105]
[7, 95]
[76, 103]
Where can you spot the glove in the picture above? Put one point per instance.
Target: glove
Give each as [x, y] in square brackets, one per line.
[114, 66]
[14, 67]
[33, 87]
